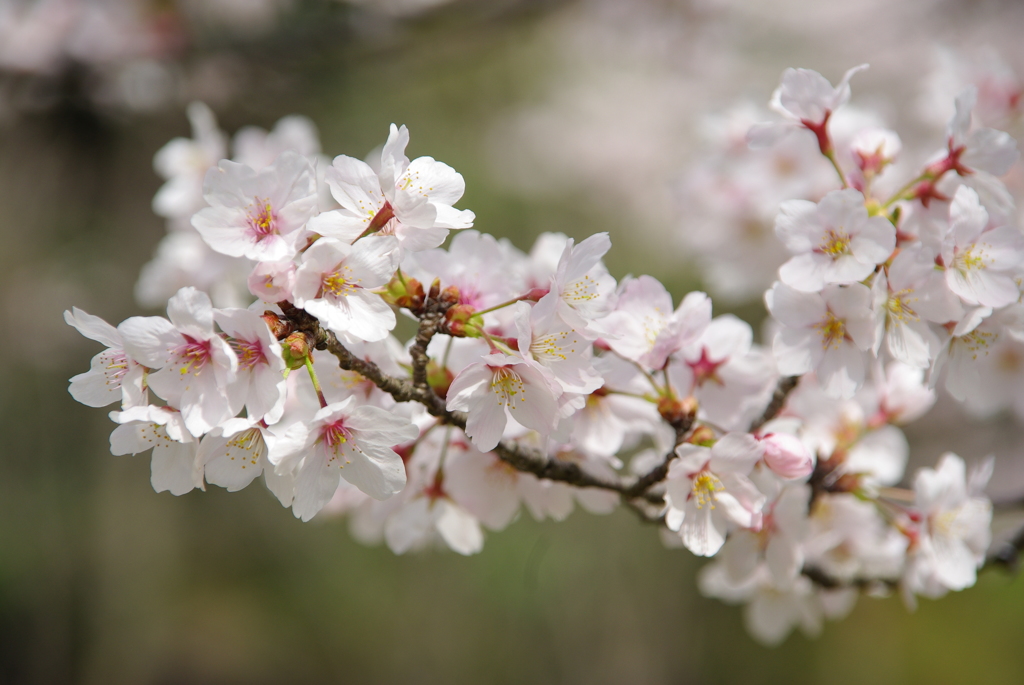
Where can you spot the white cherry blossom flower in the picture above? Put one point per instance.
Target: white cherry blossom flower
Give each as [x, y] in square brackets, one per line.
[833, 241]
[175, 465]
[806, 99]
[260, 384]
[546, 339]
[500, 386]
[334, 284]
[645, 329]
[981, 149]
[236, 452]
[981, 263]
[583, 286]
[113, 375]
[410, 200]
[260, 215]
[731, 379]
[954, 531]
[343, 441]
[825, 332]
[183, 162]
[708, 490]
[195, 364]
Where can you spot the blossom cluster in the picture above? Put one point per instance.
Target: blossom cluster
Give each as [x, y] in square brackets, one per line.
[537, 380]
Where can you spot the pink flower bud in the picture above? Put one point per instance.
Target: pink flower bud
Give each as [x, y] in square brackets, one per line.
[786, 455]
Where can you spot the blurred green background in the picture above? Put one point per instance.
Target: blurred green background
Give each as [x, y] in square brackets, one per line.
[104, 581]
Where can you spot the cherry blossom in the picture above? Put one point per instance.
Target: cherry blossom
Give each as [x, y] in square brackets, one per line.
[708, 490]
[260, 215]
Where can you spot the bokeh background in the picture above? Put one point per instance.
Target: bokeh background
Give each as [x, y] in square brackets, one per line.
[575, 116]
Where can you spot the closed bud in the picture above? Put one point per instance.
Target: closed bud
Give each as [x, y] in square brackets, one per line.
[439, 378]
[787, 455]
[676, 411]
[279, 328]
[295, 350]
[703, 436]
[450, 296]
[407, 293]
[462, 321]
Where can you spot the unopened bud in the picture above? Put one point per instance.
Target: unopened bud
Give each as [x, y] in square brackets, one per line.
[450, 295]
[462, 321]
[404, 292]
[295, 350]
[279, 328]
[703, 436]
[435, 289]
[439, 378]
[676, 411]
[787, 455]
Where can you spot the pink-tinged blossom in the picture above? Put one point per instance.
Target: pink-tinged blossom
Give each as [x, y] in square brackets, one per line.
[981, 263]
[833, 241]
[272, 281]
[500, 386]
[806, 99]
[980, 149]
[236, 452]
[260, 215]
[480, 266]
[708, 490]
[343, 441]
[731, 379]
[260, 385]
[874, 149]
[113, 375]
[954, 531]
[427, 516]
[907, 337]
[334, 284]
[410, 200]
[974, 338]
[609, 420]
[777, 544]
[786, 455]
[902, 395]
[772, 612]
[826, 332]
[546, 339]
[175, 465]
[645, 329]
[183, 162]
[849, 540]
[583, 286]
[196, 365]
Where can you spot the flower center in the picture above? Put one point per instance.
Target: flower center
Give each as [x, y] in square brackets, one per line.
[549, 348]
[263, 223]
[705, 485]
[835, 243]
[250, 441]
[337, 283]
[970, 261]
[508, 386]
[898, 305]
[583, 290]
[833, 331]
[704, 369]
[193, 355]
[249, 353]
[335, 434]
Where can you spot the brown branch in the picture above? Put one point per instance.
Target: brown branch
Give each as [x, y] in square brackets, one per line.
[778, 401]
[518, 456]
